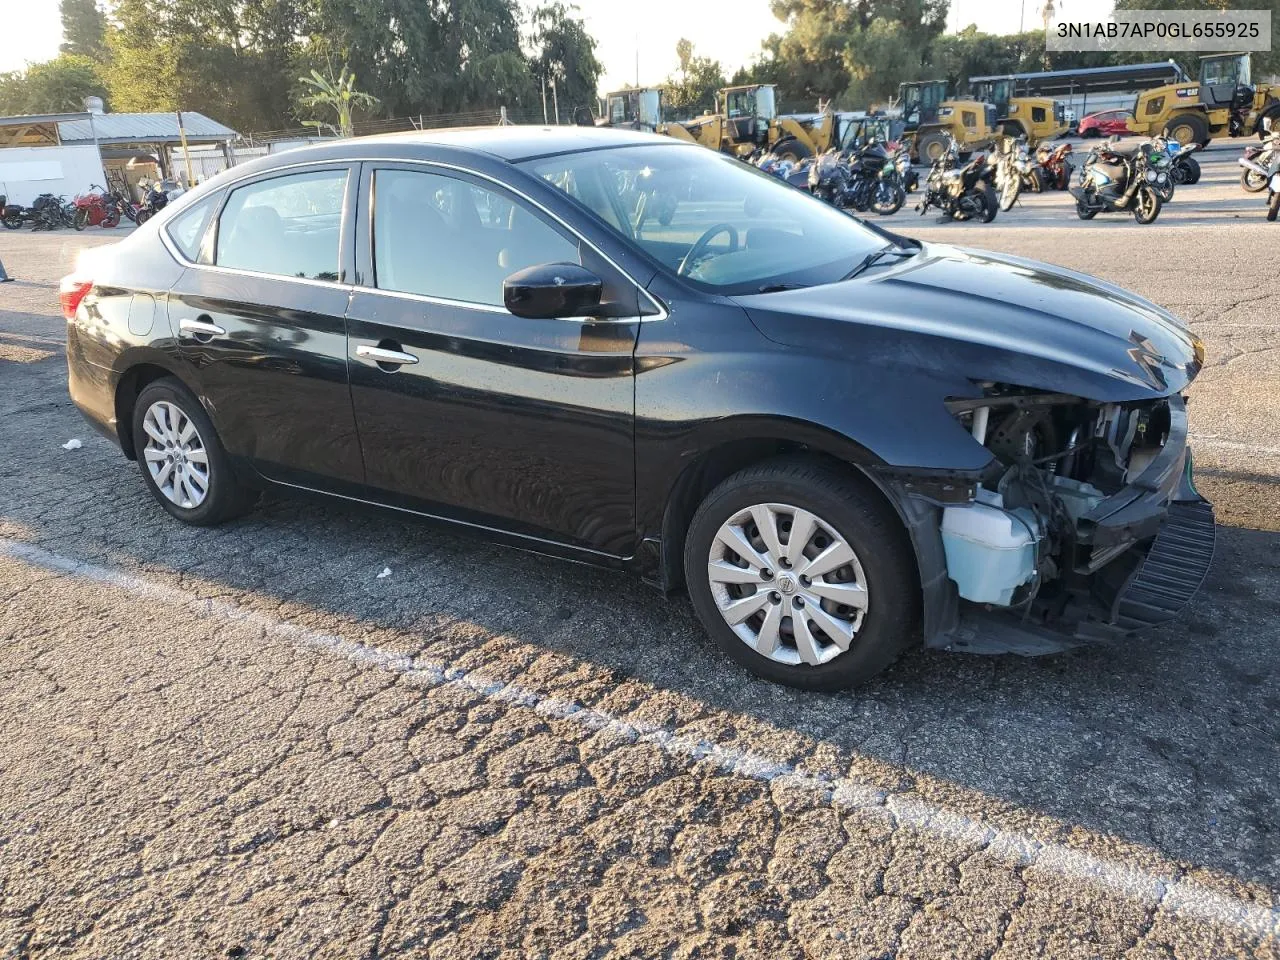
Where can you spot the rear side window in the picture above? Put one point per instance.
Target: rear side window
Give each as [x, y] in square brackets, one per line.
[187, 229]
[287, 226]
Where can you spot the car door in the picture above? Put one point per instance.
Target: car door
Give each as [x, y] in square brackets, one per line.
[465, 410]
[260, 315]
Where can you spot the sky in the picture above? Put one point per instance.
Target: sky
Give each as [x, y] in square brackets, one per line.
[726, 30]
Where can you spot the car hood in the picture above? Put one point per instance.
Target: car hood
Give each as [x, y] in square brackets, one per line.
[956, 312]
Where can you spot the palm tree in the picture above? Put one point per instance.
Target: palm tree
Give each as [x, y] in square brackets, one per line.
[336, 94]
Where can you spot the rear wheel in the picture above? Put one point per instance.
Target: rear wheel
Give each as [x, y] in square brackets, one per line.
[112, 219]
[1146, 204]
[1273, 207]
[143, 216]
[802, 575]
[182, 460]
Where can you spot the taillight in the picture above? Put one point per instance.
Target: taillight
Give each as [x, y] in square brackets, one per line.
[70, 292]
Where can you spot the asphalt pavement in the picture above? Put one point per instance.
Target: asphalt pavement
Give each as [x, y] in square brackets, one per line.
[242, 742]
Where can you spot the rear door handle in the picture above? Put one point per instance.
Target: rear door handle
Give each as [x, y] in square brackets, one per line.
[376, 355]
[200, 328]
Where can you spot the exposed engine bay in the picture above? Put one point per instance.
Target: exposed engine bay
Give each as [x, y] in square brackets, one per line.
[1024, 540]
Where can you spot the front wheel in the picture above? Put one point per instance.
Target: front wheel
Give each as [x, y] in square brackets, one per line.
[1273, 207]
[182, 460]
[1146, 205]
[889, 198]
[81, 219]
[991, 206]
[1251, 180]
[1084, 211]
[802, 574]
[1009, 195]
[1192, 166]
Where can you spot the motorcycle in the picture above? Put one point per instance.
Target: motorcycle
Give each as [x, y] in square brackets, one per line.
[900, 158]
[1260, 158]
[1183, 168]
[961, 192]
[784, 168]
[1055, 168]
[96, 209]
[49, 212]
[155, 200]
[1015, 170]
[861, 182]
[1158, 159]
[12, 215]
[1269, 174]
[1113, 180]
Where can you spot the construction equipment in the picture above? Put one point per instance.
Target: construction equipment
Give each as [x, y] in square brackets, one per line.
[935, 119]
[1036, 118]
[634, 109]
[1223, 103]
[747, 121]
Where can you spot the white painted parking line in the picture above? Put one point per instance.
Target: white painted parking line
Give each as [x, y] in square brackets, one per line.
[1165, 891]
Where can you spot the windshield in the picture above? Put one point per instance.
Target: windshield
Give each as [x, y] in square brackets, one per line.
[717, 221]
[1225, 70]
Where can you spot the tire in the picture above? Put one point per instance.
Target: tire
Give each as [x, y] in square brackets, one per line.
[112, 219]
[897, 199]
[1084, 211]
[1273, 207]
[143, 216]
[1092, 133]
[1146, 211]
[992, 204]
[81, 219]
[930, 147]
[1037, 181]
[1250, 180]
[1186, 129]
[882, 555]
[14, 222]
[1009, 195]
[1193, 165]
[792, 149]
[224, 496]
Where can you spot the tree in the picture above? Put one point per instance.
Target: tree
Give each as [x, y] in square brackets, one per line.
[564, 53]
[1264, 63]
[83, 28]
[59, 85]
[337, 95]
[695, 90]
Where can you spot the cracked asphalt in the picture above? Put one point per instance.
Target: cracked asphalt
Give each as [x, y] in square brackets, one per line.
[241, 743]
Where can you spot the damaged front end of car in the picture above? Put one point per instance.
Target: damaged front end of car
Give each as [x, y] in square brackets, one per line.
[1085, 527]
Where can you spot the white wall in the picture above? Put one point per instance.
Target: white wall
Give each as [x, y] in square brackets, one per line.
[27, 172]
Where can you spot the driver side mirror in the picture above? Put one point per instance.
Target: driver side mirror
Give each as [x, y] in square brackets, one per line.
[550, 290]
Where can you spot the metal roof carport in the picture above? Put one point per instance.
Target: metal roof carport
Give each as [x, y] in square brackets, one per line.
[1125, 78]
[158, 132]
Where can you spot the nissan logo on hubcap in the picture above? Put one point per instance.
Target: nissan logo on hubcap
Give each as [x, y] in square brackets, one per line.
[787, 583]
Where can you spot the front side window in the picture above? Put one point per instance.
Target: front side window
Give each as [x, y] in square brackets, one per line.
[717, 221]
[287, 226]
[438, 236]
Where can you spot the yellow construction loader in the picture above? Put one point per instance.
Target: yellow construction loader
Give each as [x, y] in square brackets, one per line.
[931, 117]
[1036, 118]
[1225, 102]
[747, 120]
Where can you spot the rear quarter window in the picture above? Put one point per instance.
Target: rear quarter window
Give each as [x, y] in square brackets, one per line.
[186, 230]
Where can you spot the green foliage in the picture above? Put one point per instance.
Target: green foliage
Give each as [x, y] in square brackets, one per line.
[337, 95]
[694, 91]
[59, 85]
[83, 28]
[1264, 63]
[563, 51]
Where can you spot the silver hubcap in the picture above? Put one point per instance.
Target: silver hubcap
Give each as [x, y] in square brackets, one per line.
[787, 584]
[176, 456]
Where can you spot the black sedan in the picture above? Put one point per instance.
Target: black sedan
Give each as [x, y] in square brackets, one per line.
[621, 349]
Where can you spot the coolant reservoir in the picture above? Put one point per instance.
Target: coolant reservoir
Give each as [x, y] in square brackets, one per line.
[990, 551]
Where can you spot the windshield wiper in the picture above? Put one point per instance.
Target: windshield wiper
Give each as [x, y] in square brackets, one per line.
[874, 257]
[779, 287]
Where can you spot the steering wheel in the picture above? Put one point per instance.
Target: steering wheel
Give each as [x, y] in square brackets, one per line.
[700, 245]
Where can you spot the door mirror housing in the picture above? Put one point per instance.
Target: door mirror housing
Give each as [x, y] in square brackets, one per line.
[550, 290]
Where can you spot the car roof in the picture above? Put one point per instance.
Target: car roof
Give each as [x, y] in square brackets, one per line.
[514, 143]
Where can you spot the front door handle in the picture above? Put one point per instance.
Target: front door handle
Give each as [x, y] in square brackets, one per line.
[380, 355]
[200, 328]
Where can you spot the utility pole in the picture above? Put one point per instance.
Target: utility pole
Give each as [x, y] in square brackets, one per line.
[544, 100]
[186, 155]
